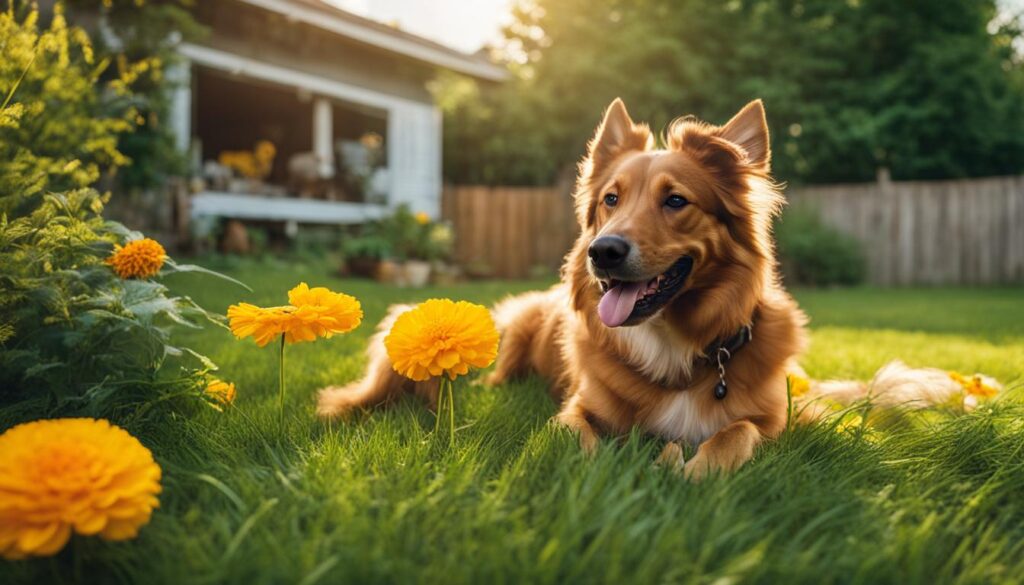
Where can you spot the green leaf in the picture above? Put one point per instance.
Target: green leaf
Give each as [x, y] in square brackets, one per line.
[175, 267]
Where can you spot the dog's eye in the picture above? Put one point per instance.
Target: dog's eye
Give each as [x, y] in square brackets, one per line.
[611, 199]
[676, 201]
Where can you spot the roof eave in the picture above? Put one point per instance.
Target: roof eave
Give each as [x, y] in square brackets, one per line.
[452, 60]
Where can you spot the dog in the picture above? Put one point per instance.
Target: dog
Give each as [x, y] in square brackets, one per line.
[670, 315]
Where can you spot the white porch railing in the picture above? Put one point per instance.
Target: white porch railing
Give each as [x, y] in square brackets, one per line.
[241, 206]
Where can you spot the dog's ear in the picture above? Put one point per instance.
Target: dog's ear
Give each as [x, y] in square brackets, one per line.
[617, 134]
[749, 130]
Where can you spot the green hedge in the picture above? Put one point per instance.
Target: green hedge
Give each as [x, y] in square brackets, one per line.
[814, 254]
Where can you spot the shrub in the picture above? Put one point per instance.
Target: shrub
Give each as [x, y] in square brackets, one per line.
[402, 235]
[74, 337]
[56, 132]
[815, 254]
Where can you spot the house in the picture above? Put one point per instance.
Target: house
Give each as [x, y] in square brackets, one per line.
[300, 112]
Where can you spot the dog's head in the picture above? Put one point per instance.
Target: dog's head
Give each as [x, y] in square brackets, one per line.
[665, 229]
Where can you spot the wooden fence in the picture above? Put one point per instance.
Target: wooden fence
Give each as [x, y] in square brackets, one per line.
[935, 232]
[510, 232]
[929, 232]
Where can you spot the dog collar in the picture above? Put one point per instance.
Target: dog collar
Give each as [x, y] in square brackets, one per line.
[718, 354]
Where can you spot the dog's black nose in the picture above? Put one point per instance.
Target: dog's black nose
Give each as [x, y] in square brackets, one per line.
[608, 251]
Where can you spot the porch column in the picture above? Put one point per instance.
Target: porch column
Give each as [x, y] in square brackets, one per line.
[179, 74]
[323, 137]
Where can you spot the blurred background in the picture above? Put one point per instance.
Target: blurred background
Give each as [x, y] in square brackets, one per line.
[417, 141]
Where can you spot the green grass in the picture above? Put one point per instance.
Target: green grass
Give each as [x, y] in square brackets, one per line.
[377, 499]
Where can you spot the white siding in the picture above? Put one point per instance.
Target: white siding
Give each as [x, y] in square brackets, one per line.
[414, 157]
[179, 74]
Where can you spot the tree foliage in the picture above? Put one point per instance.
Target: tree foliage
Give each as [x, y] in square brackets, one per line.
[142, 32]
[56, 131]
[930, 90]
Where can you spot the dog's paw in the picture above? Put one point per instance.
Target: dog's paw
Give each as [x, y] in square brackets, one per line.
[589, 442]
[701, 466]
[671, 457]
[494, 379]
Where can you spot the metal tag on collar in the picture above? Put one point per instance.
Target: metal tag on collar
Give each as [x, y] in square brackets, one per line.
[721, 388]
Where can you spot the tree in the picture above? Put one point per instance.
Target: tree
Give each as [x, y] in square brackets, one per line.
[925, 89]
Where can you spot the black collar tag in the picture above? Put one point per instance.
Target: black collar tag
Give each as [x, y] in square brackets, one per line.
[718, 355]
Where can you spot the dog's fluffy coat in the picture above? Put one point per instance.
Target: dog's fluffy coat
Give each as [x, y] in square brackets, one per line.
[652, 374]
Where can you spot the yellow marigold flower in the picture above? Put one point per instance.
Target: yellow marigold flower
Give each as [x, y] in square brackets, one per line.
[442, 336]
[69, 474]
[221, 391]
[262, 324]
[798, 385]
[313, 312]
[138, 259]
[422, 218]
[975, 385]
[319, 312]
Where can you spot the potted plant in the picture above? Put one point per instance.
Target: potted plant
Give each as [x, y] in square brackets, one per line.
[425, 244]
[400, 248]
[364, 254]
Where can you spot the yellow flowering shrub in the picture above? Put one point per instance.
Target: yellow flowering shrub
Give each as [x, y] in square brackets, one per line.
[72, 475]
[56, 132]
[74, 331]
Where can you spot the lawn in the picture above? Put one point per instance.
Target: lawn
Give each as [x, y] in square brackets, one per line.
[375, 499]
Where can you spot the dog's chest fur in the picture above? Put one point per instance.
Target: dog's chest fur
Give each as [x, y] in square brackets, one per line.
[681, 417]
[665, 359]
[656, 352]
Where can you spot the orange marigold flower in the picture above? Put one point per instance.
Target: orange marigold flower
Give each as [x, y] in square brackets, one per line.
[441, 336]
[798, 385]
[69, 474]
[977, 385]
[313, 312]
[422, 218]
[262, 324]
[221, 391]
[319, 312]
[138, 259]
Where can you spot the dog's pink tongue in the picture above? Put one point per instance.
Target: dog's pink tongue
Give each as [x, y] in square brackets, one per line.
[617, 303]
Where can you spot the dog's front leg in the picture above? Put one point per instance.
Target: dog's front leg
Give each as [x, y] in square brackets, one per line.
[726, 450]
[574, 416]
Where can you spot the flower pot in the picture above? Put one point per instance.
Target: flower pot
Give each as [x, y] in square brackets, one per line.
[417, 273]
[363, 266]
[389, 272]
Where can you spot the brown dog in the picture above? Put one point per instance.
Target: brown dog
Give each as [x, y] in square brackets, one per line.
[670, 315]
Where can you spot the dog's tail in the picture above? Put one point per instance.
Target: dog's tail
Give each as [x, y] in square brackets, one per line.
[895, 385]
[379, 384]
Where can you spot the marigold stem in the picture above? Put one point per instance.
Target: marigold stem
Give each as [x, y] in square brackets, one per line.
[280, 382]
[440, 405]
[451, 415]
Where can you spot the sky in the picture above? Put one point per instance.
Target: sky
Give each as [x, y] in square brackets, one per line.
[465, 25]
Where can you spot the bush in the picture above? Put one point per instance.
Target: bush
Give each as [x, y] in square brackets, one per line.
[402, 236]
[74, 337]
[812, 253]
